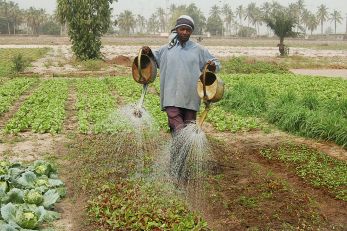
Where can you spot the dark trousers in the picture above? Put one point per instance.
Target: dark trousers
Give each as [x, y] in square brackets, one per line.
[179, 117]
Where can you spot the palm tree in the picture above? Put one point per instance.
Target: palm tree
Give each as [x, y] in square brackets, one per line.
[126, 21]
[35, 18]
[15, 15]
[312, 22]
[240, 13]
[301, 7]
[162, 19]
[5, 13]
[141, 23]
[214, 22]
[322, 15]
[336, 18]
[253, 14]
[153, 24]
[228, 16]
[305, 16]
[282, 22]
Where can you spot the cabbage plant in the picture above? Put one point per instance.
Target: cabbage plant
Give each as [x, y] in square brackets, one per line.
[28, 194]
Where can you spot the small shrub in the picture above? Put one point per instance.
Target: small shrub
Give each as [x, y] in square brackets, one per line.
[19, 63]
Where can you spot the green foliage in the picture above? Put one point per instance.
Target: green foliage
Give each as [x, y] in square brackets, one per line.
[247, 98]
[140, 205]
[94, 104]
[246, 31]
[282, 22]
[308, 106]
[247, 66]
[19, 63]
[130, 91]
[16, 59]
[92, 64]
[317, 168]
[44, 111]
[27, 205]
[11, 90]
[87, 21]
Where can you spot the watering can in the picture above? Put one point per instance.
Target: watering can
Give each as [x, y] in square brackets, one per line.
[210, 90]
[144, 71]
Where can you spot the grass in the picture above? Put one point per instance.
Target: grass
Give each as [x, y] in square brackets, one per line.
[247, 66]
[316, 168]
[309, 106]
[91, 64]
[28, 55]
[302, 62]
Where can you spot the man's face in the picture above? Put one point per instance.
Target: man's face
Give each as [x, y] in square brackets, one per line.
[184, 33]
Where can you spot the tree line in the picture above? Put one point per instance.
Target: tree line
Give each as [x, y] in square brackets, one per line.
[14, 20]
[222, 20]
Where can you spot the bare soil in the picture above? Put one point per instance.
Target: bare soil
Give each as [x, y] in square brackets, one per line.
[249, 192]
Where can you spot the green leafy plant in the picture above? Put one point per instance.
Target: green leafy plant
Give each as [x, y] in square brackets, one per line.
[19, 63]
[25, 205]
[87, 21]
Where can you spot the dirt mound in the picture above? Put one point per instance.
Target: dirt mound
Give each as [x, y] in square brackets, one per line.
[121, 60]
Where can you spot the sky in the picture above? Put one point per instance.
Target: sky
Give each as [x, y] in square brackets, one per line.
[147, 7]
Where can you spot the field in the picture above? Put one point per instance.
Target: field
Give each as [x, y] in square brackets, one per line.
[277, 140]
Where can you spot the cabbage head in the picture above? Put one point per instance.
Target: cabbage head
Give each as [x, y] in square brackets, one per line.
[42, 168]
[33, 197]
[42, 181]
[27, 219]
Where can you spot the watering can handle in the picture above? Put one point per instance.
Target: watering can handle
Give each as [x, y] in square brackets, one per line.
[139, 64]
[204, 81]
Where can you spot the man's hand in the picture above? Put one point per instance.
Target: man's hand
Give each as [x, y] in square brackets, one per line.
[211, 66]
[147, 51]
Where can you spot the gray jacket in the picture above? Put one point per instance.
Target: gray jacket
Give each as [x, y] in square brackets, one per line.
[180, 68]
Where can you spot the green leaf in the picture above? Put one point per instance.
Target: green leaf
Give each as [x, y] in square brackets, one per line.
[50, 197]
[27, 180]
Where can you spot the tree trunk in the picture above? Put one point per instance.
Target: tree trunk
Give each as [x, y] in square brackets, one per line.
[281, 47]
[335, 26]
[8, 28]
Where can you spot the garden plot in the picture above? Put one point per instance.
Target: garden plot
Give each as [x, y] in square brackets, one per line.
[256, 176]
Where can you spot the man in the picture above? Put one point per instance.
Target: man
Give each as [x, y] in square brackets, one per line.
[180, 63]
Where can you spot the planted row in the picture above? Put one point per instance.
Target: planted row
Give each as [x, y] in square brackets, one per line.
[130, 91]
[11, 90]
[316, 168]
[95, 104]
[44, 111]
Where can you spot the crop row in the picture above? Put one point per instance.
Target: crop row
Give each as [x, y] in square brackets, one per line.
[95, 104]
[44, 111]
[130, 91]
[11, 90]
[309, 106]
